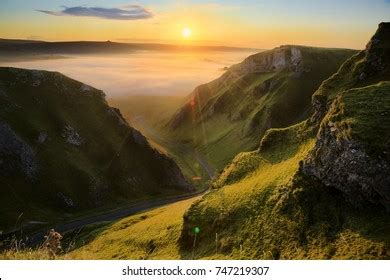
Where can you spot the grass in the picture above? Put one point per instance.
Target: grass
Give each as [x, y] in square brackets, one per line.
[269, 212]
[274, 212]
[232, 113]
[262, 205]
[361, 113]
[150, 235]
[106, 169]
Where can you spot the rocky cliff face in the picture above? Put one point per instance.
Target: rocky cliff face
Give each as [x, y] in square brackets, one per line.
[282, 58]
[345, 164]
[367, 67]
[62, 148]
[282, 66]
[16, 156]
[352, 110]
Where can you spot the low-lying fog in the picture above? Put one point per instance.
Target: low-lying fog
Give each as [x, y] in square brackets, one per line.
[151, 73]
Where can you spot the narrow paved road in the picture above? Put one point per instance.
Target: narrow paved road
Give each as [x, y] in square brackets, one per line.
[38, 237]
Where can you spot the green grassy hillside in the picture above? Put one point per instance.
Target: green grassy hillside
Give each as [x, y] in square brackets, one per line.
[154, 234]
[271, 89]
[277, 202]
[319, 189]
[63, 150]
[276, 212]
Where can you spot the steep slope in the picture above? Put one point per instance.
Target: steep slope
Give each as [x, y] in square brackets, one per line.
[64, 150]
[352, 152]
[270, 89]
[318, 189]
[147, 114]
[267, 204]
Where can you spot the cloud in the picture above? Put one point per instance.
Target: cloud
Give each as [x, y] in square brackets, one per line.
[128, 12]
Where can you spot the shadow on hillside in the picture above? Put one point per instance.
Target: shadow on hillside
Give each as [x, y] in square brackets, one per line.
[342, 227]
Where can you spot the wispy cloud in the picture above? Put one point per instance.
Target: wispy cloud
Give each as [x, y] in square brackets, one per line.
[129, 12]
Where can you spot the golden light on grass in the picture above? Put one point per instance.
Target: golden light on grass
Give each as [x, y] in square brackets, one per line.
[186, 32]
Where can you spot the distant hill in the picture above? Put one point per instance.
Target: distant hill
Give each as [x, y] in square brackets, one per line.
[271, 89]
[11, 48]
[63, 151]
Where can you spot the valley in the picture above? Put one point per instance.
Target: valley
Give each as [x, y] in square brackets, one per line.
[284, 156]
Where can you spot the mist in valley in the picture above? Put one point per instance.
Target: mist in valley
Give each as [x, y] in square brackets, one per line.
[140, 73]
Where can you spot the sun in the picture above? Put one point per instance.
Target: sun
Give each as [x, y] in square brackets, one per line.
[186, 32]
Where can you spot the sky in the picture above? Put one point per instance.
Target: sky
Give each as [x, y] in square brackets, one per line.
[246, 23]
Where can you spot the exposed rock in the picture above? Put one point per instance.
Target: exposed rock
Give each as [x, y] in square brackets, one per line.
[3, 93]
[343, 162]
[72, 136]
[344, 165]
[377, 56]
[15, 154]
[285, 57]
[85, 88]
[115, 113]
[133, 180]
[296, 56]
[42, 137]
[138, 137]
[65, 200]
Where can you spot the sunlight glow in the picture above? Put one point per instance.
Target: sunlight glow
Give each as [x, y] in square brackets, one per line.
[186, 32]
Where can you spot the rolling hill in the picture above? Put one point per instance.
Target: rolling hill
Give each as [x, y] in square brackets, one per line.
[11, 49]
[64, 151]
[271, 89]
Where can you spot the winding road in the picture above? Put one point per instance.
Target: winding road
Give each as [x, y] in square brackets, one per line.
[38, 237]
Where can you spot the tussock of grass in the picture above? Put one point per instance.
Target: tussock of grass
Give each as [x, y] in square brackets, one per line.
[363, 114]
[241, 166]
